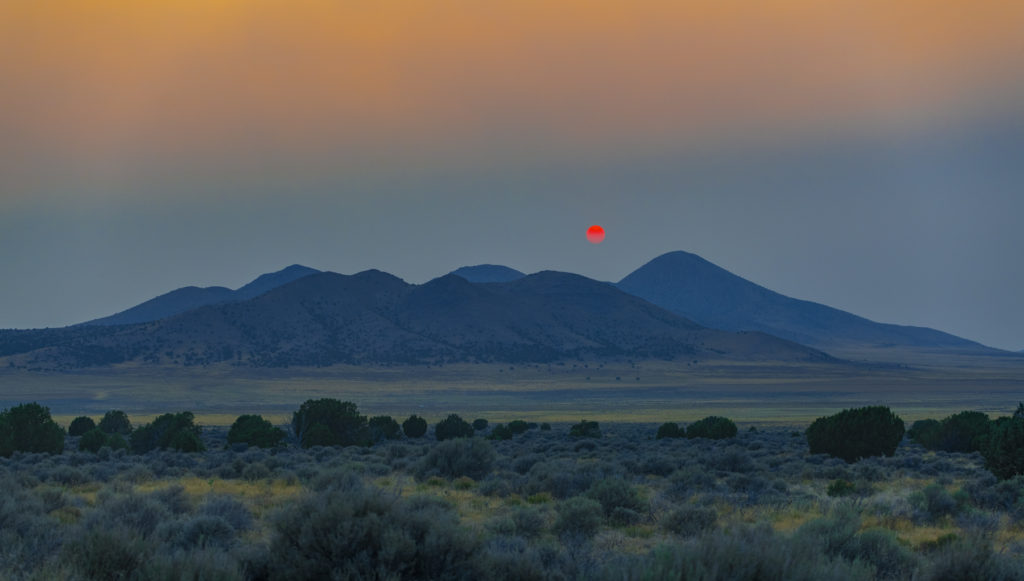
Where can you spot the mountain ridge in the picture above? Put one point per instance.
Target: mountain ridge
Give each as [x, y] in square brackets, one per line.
[374, 318]
[693, 287]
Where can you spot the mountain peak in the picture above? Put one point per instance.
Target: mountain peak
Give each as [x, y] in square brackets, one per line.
[488, 273]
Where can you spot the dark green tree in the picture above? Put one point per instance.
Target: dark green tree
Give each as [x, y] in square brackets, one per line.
[80, 425]
[93, 440]
[925, 432]
[713, 428]
[414, 427]
[341, 419]
[479, 424]
[29, 428]
[452, 427]
[856, 433]
[585, 429]
[500, 432]
[518, 427]
[963, 432]
[1003, 448]
[116, 422]
[384, 428]
[669, 430]
[255, 431]
[174, 431]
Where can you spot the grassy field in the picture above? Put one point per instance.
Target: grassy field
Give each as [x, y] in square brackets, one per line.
[649, 391]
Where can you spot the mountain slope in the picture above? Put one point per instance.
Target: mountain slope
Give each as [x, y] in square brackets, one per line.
[192, 297]
[488, 273]
[692, 287]
[375, 318]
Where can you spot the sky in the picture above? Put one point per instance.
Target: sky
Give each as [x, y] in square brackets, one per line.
[866, 154]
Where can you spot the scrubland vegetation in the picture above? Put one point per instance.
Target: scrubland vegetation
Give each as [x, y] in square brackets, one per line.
[697, 500]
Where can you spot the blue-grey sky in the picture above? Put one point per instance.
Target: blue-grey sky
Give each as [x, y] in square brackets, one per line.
[867, 156]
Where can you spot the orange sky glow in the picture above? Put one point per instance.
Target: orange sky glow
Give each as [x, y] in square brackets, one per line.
[103, 82]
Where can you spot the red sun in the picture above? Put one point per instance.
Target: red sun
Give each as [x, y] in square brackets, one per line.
[595, 234]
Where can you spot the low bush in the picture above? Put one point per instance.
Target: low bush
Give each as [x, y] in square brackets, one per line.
[500, 432]
[470, 457]
[453, 427]
[613, 493]
[856, 433]
[585, 429]
[670, 430]
[383, 537]
[689, 520]
[579, 517]
[713, 428]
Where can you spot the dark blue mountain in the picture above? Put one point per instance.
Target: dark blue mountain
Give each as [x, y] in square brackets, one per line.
[488, 273]
[694, 288]
[192, 297]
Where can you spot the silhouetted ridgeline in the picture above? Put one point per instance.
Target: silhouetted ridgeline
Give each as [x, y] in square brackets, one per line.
[375, 318]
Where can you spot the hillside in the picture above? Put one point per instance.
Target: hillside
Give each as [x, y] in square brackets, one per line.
[192, 297]
[692, 287]
[373, 318]
[488, 273]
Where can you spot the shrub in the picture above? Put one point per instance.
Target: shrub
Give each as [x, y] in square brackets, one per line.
[585, 429]
[175, 431]
[255, 431]
[206, 531]
[479, 424]
[545, 427]
[452, 427]
[613, 493]
[500, 432]
[882, 549]
[93, 440]
[382, 537]
[962, 432]
[81, 425]
[689, 520]
[856, 433]
[934, 501]
[414, 427]
[578, 517]
[384, 428]
[518, 427]
[116, 422]
[669, 430]
[29, 428]
[1003, 449]
[340, 424]
[113, 553]
[713, 428]
[925, 432]
[840, 487]
[461, 457]
[231, 510]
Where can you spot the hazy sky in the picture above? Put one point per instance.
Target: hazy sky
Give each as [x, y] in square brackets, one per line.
[868, 154]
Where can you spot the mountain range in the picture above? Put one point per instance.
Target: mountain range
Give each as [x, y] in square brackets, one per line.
[675, 306]
[373, 318]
